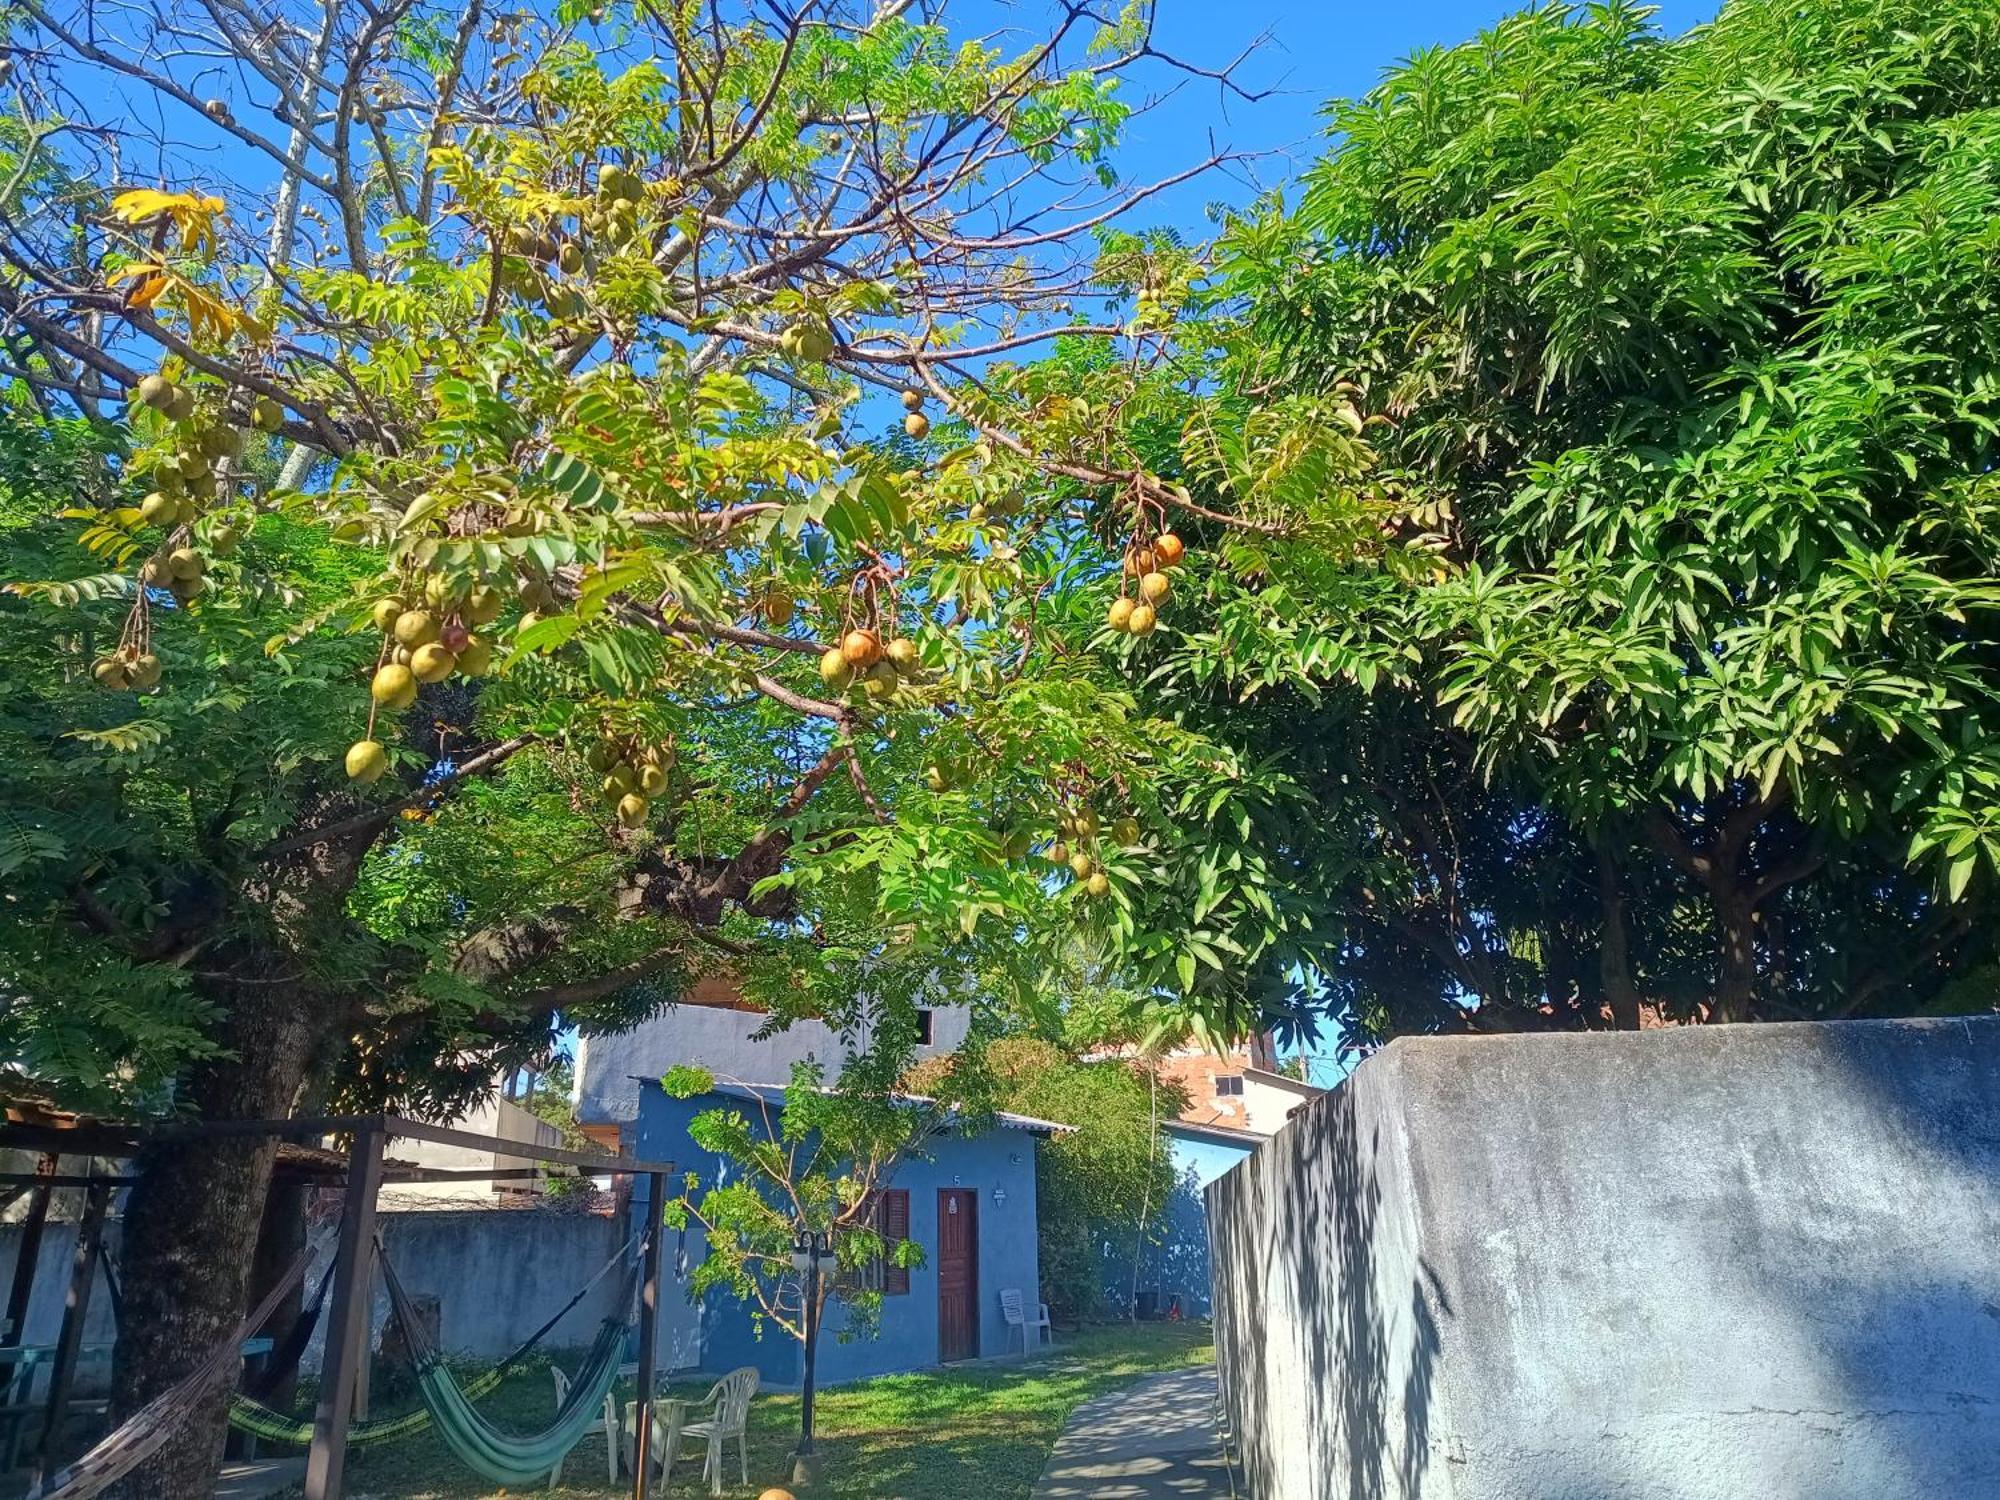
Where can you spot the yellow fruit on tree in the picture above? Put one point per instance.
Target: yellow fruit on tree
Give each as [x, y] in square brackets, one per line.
[1099, 884]
[155, 391]
[386, 612]
[1140, 561]
[1058, 853]
[1079, 864]
[476, 660]
[879, 681]
[366, 761]
[1125, 831]
[393, 686]
[483, 605]
[414, 628]
[652, 780]
[620, 779]
[1120, 615]
[1144, 618]
[266, 415]
[917, 425]
[913, 400]
[144, 671]
[159, 510]
[778, 607]
[1154, 587]
[902, 654]
[1168, 549]
[185, 562]
[431, 663]
[834, 669]
[632, 809]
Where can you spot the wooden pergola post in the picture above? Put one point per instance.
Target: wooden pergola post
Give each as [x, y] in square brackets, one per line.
[22, 1291]
[76, 1308]
[649, 1331]
[347, 1323]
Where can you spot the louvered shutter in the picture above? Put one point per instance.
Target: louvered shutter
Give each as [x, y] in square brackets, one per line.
[893, 1224]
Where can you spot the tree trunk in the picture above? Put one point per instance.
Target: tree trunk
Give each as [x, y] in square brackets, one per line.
[1736, 986]
[1615, 954]
[191, 1228]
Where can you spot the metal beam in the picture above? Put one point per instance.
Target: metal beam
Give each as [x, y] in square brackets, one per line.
[347, 1324]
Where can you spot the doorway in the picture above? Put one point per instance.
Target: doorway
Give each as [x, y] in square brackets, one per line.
[958, 1274]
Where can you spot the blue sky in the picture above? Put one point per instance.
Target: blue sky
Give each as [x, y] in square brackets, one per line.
[1316, 50]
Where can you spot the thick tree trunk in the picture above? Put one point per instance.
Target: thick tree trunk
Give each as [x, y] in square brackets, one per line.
[1736, 987]
[1615, 955]
[191, 1229]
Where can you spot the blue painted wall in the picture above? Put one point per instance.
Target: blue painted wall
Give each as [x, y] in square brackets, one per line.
[1001, 1158]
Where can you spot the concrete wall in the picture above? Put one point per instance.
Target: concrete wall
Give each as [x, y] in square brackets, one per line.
[497, 1276]
[1000, 1158]
[1699, 1264]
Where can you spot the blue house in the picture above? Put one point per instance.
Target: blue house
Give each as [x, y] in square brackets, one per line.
[969, 1202]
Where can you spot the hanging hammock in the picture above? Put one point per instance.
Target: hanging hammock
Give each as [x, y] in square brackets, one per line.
[267, 1424]
[504, 1457]
[147, 1430]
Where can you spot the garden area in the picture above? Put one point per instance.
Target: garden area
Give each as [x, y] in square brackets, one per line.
[978, 1431]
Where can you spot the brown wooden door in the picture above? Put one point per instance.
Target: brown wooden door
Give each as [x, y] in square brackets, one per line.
[958, 1274]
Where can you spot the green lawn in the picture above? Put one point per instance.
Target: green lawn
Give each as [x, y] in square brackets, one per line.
[979, 1432]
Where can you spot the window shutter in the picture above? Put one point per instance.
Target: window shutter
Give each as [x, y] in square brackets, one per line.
[893, 1224]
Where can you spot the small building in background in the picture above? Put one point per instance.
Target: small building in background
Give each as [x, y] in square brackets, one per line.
[969, 1203]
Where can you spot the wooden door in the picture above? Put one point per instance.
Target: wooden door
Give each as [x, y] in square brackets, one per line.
[958, 1274]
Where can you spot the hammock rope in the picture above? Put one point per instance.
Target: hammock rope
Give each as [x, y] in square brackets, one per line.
[248, 1415]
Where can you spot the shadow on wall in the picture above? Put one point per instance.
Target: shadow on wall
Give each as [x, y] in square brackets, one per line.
[1301, 1247]
[1712, 1263]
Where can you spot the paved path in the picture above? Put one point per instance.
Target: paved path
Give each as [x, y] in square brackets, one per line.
[1153, 1439]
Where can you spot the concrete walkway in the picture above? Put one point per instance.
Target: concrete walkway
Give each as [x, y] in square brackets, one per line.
[1153, 1439]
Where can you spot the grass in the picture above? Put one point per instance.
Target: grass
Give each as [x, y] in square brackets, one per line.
[973, 1432]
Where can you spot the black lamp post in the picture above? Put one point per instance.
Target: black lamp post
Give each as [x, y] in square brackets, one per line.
[812, 1252]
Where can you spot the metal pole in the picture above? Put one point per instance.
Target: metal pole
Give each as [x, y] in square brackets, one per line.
[805, 1448]
[649, 1330]
[347, 1325]
[21, 1378]
[76, 1308]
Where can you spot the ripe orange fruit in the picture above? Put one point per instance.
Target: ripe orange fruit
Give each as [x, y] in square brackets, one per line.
[861, 649]
[1168, 549]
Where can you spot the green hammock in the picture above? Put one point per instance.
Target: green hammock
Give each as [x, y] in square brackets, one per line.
[503, 1457]
[273, 1426]
[269, 1425]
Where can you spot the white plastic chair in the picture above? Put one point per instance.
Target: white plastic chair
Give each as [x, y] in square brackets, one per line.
[728, 1405]
[1013, 1308]
[609, 1424]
